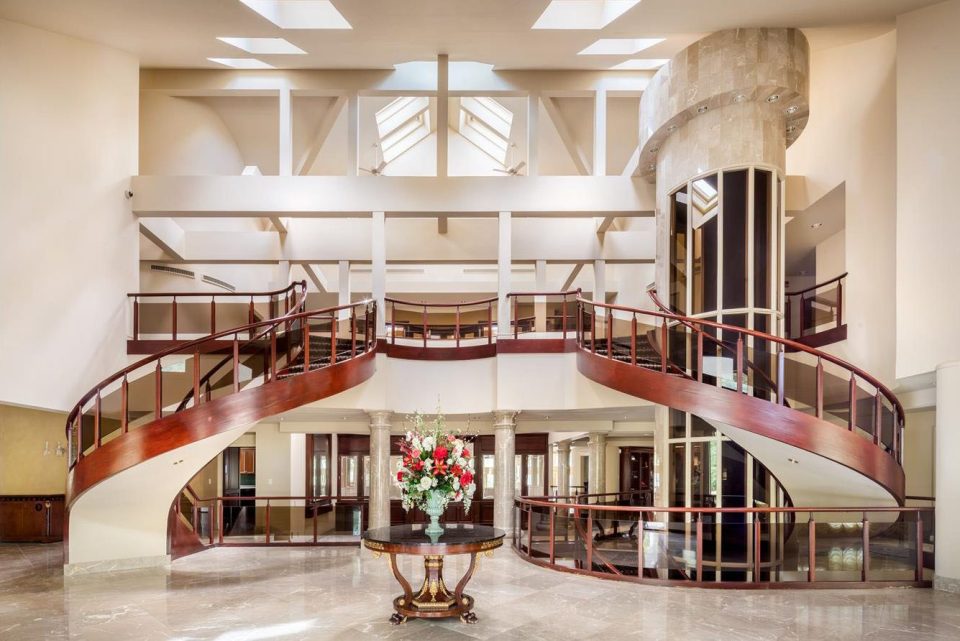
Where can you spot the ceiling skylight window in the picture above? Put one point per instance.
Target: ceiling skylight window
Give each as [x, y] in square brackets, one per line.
[486, 123]
[619, 46]
[242, 63]
[582, 14]
[641, 64]
[277, 46]
[402, 124]
[300, 14]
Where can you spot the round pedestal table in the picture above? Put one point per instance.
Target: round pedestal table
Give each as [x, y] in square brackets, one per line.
[434, 599]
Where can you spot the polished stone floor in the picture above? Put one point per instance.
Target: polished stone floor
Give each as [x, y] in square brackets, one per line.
[294, 594]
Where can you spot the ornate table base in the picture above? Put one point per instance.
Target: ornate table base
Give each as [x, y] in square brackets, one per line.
[434, 600]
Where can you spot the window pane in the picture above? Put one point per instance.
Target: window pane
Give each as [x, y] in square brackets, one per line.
[488, 471]
[677, 495]
[735, 239]
[366, 476]
[762, 241]
[535, 474]
[348, 475]
[517, 474]
[678, 253]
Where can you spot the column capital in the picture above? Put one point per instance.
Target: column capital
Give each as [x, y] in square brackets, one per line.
[562, 446]
[505, 419]
[380, 419]
[598, 437]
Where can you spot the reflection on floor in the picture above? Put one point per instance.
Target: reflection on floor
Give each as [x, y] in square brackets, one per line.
[247, 594]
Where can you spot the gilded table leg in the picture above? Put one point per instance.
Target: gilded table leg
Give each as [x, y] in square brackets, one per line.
[466, 602]
[407, 597]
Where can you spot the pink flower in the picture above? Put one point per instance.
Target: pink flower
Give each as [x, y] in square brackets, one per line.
[440, 453]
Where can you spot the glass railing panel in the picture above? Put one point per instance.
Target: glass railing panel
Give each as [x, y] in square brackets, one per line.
[141, 393]
[893, 546]
[839, 547]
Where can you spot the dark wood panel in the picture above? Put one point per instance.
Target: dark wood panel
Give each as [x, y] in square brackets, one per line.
[411, 352]
[752, 414]
[536, 345]
[31, 519]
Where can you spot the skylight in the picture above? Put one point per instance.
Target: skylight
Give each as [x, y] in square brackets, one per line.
[641, 64]
[486, 123]
[264, 45]
[619, 46]
[300, 14]
[402, 124]
[582, 14]
[242, 63]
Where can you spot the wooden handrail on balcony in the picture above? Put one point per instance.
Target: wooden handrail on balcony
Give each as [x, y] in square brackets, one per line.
[806, 322]
[853, 373]
[197, 347]
[456, 307]
[763, 573]
[274, 297]
[566, 310]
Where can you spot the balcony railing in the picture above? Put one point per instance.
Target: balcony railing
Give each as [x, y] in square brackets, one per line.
[816, 309]
[441, 324]
[728, 547]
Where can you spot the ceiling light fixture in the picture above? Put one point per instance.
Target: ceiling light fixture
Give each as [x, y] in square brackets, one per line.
[651, 167]
[739, 97]
[671, 128]
[259, 46]
[241, 63]
[791, 129]
[619, 46]
[702, 109]
[792, 109]
[775, 97]
[816, 225]
[581, 14]
[793, 460]
[300, 14]
[640, 64]
[654, 150]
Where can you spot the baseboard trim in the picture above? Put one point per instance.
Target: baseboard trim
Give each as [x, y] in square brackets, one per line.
[116, 565]
[946, 584]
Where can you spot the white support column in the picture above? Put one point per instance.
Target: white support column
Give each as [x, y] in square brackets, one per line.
[381, 476]
[353, 134]
[540, 302]
[283, 274]
[343, 288]
[286, 133]
[563, 468]
[597, 464]
[504, 429]
[600, 133]
[947, 478]
[533, 134]
[443, 112]
[378, 268]
[504, 265]
[600, 282]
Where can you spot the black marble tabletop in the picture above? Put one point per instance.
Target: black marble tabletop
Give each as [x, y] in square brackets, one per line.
[453, 534]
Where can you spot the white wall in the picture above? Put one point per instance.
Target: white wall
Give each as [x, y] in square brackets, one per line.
[928, 165]
[184, 137]
[68, 254]
[919, 464]
[851, 136]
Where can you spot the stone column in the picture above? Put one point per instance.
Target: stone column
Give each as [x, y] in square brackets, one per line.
[947, 478]
[563, 468]
[597, 470]
[504, 429]
[380, 472]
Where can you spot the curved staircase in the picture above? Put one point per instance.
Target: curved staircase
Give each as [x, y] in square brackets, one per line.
[137, 437]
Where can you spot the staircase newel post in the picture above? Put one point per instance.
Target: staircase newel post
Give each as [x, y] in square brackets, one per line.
[663, 346]
[236, 364]
[633, 339]
[877, 413]
[124, 402]
[158, 392]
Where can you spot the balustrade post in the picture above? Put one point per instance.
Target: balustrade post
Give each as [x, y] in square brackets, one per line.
[393, 323]
[663, 347]
[236, 364]
[426, 325]
[273, 353]
[213, 315]
[96, 421]
[174, 319]
[456, 327]
[918, 574]
[609, 318]
[756, 548]
[251, 317]
[136, 317]
[811, 550]
[158, 392]
[553, 516]
[220, 520]
[633, 339]
[739, 362]
[314, 521]
[853, 401]
[593, 329]
[839, 303]
[563, 315]
[877, 415]
[196, 377]
[699, 547]
[699, 355]
[819, 388]
[333, 338]
[865, 568]
[266, 523]
[124, 402]
[589, 534]
[353, 332]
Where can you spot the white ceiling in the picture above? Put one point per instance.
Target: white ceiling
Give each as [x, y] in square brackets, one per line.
[182, 33]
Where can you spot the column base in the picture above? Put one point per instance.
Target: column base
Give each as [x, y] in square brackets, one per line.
[946, 584]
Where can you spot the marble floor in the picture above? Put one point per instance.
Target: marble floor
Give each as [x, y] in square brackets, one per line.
[292, 594]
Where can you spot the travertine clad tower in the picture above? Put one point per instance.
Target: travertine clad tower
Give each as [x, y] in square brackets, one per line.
[715, 123]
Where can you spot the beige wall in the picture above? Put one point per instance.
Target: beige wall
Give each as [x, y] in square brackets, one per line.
[928, 165]
[68, 126]
[851, 136]
[24, 469]
[918, 449]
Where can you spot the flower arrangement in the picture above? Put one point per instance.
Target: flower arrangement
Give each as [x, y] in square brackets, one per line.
[437, 467]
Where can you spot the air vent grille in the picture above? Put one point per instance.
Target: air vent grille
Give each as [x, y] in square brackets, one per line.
[186, 273]
[219, 283]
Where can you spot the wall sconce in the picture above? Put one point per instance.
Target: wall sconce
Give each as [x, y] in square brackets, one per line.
[60, 451]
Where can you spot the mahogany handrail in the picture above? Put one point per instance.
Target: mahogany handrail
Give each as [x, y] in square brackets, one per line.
[194, 346]
[457, 325]
[286, 291]
[786, 342]
[817, 286]
[515, 317]
[413, 303]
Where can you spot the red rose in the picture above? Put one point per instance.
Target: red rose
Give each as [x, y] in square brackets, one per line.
[466, 453]
[418, 465]
[400, 476]
[440, 452]
[466, 479]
